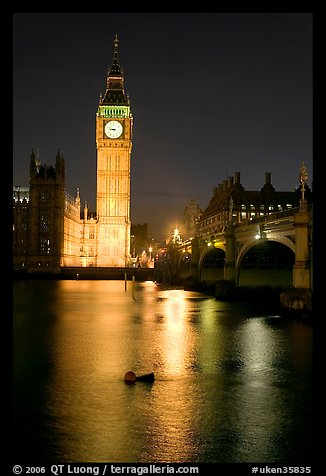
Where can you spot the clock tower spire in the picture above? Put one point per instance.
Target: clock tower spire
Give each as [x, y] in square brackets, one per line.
[113, 144]
[115, 93]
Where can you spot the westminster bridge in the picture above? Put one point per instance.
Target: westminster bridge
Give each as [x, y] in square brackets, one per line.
[273, 250]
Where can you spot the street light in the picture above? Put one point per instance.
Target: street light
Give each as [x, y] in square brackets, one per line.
[303, 177]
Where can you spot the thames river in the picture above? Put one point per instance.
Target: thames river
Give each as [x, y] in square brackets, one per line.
[233, 381]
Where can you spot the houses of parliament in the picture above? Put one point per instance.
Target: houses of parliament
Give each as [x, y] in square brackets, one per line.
[51, 231]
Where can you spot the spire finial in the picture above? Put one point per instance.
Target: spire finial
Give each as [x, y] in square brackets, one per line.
[116, 41]
[114, 94]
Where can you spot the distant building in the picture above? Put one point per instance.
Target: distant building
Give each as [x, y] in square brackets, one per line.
[139, 239]
[191, 216]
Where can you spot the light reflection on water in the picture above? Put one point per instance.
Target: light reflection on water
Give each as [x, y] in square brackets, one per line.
[233, 382]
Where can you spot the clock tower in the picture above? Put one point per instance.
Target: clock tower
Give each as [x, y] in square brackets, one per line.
[113, 146]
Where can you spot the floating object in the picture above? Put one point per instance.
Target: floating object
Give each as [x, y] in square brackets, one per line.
[146, 377]
[131, 377]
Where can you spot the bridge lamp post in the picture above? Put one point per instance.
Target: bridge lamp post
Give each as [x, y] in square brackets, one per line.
[303, 177]
[260, 234]
[150, 249]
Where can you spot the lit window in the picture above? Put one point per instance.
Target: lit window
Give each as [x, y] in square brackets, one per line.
[44, 223]
[45, 246]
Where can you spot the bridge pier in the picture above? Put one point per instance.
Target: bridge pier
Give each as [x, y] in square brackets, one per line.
[301, 269]
[230, 253]
[299, 299]
[195, 254]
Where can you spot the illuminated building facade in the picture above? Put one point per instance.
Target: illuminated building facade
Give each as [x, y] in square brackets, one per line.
[232, 203]
[113, 143]
[50, 231]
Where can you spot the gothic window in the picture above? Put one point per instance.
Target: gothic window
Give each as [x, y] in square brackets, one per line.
[45, 246]
[24, 224]
[44, 223]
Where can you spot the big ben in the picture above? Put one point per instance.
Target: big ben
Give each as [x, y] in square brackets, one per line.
[113, 145]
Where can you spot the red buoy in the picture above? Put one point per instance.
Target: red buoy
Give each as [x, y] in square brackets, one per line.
[130, 376]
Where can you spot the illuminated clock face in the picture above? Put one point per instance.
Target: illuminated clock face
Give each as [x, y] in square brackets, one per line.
[113, 129]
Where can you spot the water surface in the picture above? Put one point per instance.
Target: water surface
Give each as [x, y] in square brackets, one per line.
[233, 381]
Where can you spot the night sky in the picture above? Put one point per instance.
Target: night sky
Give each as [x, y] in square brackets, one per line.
[211, 94]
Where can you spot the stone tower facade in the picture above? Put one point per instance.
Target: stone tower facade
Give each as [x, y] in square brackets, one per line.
[44, 229]
[113, 144]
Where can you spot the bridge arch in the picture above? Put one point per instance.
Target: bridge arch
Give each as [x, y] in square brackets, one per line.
[266, 261]
[184, 264]
[211, 263]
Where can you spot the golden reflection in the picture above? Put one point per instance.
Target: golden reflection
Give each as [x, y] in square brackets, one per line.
[178, 343]
[94, 343]
[101, 333]
[174, 435]
[224, 387]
